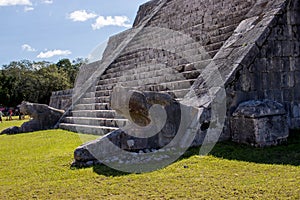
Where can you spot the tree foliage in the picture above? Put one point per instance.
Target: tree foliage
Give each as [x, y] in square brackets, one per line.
[35, 81]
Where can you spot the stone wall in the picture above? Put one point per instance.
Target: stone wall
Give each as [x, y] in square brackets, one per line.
[275, 71]
[61, 99]
[251, 44]
[175, 44]
[229, 54]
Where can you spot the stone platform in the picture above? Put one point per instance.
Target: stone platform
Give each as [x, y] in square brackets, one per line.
[195, 50]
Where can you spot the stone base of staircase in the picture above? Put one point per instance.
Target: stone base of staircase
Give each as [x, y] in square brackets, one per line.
[87, 129]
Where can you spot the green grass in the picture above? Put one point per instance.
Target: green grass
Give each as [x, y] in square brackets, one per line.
[37, 166]
[15, 122]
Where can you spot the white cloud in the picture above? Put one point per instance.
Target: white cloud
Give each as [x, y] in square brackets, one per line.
[15, 2]
[27, 47]
[56, 52]
[48, 1]
[102, 21]
[27, 9]
[81, 16]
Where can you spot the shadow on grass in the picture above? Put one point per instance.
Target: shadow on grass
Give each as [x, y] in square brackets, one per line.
[102, 169]
[284, 154]
[288, 154]
[107, 171]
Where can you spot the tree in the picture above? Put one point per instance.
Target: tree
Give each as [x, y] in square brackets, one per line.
[71, 69]
[35, 81]
[52, 79]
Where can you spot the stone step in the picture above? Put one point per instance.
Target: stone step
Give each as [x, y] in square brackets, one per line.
[155, 37]
[177, 94]
[135, 70]
[213, 31]
[220, 38]
[127, 70]
[94, 130]
[107, 122]
[187, 70]
[195, 49]
[92, 100]
[188, 13]
[175, 43]
[105, 106]
[159, 72]
[228, 18]
[168, 45]
[95, 113]
[191, 16]
[93, 106]
[127, 57]
[151, 57]
[146, 81]
[158, 76]
[98, 93]
[121, 67]
[214, 46]
[184, 8]
[169, 86]
[175, 85]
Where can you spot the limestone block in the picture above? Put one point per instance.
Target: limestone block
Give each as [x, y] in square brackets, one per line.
[259, 123]
[294, 18]
[246, 81]
[287, 79]
[288, 94]
[296, 110]
[295, 48]
[295, 123]
[274, 80]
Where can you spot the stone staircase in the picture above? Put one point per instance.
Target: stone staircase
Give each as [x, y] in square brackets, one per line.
[247, 92]
[159, 58]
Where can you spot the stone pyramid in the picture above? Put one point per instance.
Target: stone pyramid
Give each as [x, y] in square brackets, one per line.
[196, 50]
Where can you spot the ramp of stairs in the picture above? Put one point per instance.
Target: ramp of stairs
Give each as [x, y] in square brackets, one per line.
[146, 65]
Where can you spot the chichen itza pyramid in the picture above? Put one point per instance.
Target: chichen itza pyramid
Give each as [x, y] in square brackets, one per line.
[194, 50]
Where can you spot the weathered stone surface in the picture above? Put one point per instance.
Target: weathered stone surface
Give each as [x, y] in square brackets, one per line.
[259, 123]
[157, 121]
[252, 45]
[257, 109]
[43, 117]
[157, 60]
[61, 99]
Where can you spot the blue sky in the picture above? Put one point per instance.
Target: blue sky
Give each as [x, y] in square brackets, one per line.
[54, 29]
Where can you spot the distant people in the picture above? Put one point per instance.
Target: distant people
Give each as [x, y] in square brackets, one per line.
[10, 112]
[21, 116]
[18, 113]
[1, 114]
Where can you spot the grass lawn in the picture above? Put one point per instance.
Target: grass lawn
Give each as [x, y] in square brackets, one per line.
[37, 166]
